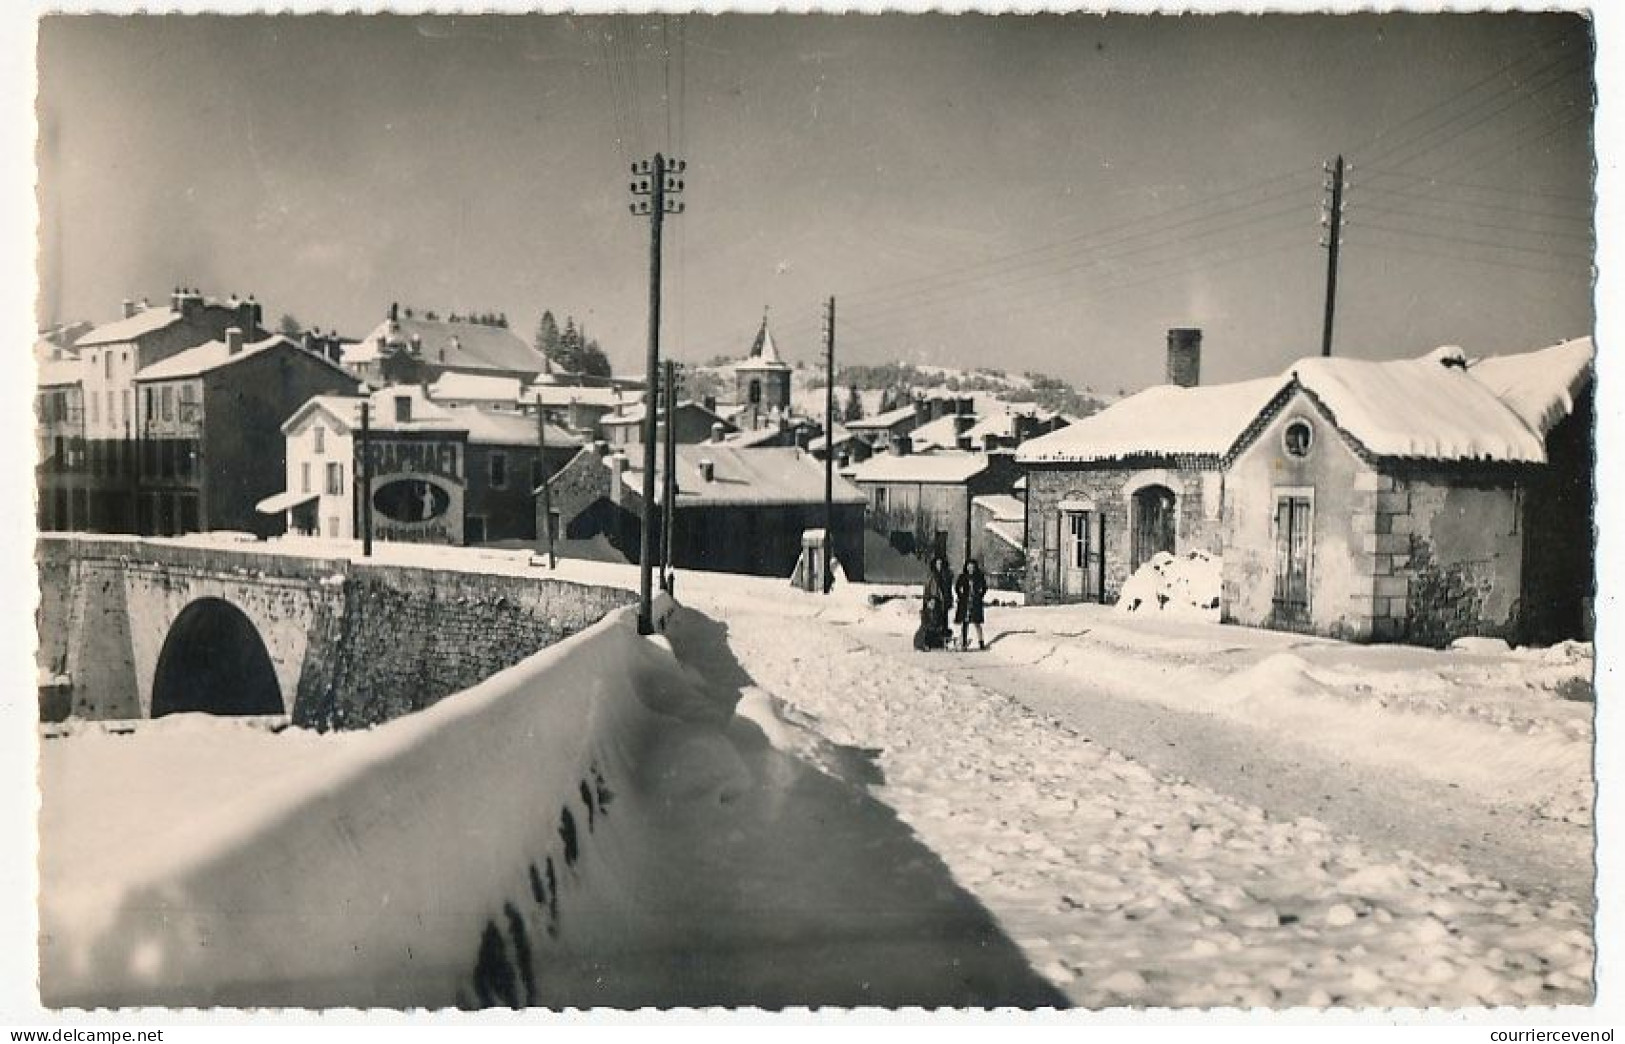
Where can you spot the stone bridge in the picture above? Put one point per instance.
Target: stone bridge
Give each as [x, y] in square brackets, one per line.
[140, 629]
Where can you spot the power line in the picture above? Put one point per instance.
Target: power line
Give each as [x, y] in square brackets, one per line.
[1543, 252]
[1495, 262]
[1470, 186]
[1379, 155]
[1106, 255]
[1561, 233]
[1517, 100]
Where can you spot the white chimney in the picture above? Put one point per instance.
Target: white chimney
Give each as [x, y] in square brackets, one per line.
[708, 471]
[129, 308]
[717, 432]
[234, 340]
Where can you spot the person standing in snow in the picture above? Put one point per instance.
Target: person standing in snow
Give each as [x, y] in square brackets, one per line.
[939, 597]
[969, 591]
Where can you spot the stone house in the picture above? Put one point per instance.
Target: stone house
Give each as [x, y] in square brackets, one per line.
[209, 440]
[1145, 475]
[922, 501]
[737, 511]
[440, 474]
[1418, 500]
[90, 478]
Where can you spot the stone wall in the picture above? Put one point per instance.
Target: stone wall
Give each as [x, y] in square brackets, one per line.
[351, 644]
[1198, 496]
[1450, 558]
[406, 638]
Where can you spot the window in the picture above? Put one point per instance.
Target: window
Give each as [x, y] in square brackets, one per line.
[111, 402]
[1294, 552]
[148, 413]
[335, 479]
[1078, 542]
[166, 403]
[124, 406]
[1297, 437]
[332, 525]
[403, 409]
[304, 476]
[95, 408]
[107, 365]
[880, 499]
[319, 436]
[499, 471]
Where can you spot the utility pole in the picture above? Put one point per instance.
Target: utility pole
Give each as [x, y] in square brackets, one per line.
[829, 440]
[366, 481]
[547, 493]
[1331, 219]
[668, 492]
[652, 180]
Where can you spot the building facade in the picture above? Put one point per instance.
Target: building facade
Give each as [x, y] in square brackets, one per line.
[920, 503]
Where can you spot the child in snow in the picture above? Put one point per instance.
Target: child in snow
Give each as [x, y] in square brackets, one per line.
[969, 590]
[932, 632]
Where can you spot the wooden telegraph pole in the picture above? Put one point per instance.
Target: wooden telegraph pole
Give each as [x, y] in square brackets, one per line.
[366, 481]
[1332, 219]
[668, 489]
[547, 492]
[655, 181]
[829, 440]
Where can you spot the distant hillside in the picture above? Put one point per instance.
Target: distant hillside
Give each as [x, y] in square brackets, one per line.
[899, 381]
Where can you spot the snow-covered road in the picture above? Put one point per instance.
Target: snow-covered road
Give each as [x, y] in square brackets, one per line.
[1126, 881]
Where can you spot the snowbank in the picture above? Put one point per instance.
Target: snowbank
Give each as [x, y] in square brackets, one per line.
[427, 862]
[1186, 587]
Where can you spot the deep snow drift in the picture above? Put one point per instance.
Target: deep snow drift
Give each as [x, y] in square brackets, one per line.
[779, 803]
[1184, 587]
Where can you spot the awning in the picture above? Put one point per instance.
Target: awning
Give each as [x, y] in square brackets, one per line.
[280, 502]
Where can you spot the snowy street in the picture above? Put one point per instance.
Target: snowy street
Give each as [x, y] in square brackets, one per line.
[1142, 853]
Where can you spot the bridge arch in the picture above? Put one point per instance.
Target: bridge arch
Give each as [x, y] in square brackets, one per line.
[214, 660]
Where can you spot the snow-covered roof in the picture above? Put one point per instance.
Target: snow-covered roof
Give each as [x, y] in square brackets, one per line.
[213, 355]
[941, 433]
[482, 427]
[491, 428]
[485, 387]
[565, 394]
[948, 466]
[1003, 506]
[1166, 420]
[841, 436]
[1539, 386]
[129, 329]
[745, 477]
[460, 345]
[1426, 408]
[882, 421]
[58, 372]
[632, 413]
[1012, 533]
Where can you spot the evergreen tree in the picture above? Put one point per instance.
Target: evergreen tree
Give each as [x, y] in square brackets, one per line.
[289, 326]
[594, 363]
[570, 347]
[547, 337]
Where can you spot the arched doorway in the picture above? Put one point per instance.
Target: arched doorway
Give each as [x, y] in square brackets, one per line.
[1153, 526]
[214, 661]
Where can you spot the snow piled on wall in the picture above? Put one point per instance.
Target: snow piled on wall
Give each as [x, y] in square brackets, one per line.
[1186, 587]
[417, 864]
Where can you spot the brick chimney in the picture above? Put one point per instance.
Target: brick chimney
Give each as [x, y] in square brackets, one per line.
[234, 340]
[902, 445]
[1185, 357]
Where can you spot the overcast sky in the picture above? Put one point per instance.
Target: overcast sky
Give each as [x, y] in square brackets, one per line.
[1044, 193]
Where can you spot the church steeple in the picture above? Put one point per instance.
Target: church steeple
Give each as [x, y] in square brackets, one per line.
[763, 349]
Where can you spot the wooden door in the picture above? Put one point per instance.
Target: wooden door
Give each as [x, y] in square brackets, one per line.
[1153, 524]
[1293, 525]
